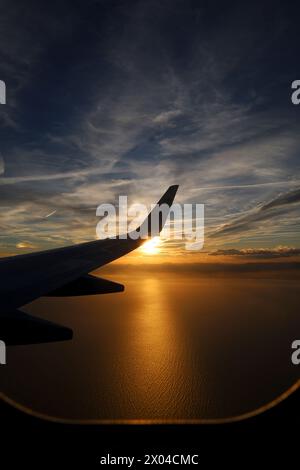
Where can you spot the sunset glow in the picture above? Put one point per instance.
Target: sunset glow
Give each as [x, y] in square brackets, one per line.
[151, 247]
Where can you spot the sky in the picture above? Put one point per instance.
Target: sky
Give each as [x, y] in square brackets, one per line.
[108, 98]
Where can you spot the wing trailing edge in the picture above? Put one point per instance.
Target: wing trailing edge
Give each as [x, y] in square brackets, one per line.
[19, 328]
[86, 285]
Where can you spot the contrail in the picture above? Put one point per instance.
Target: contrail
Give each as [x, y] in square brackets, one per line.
[49, 215]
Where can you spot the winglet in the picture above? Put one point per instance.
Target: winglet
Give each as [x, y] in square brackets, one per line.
[154, 223]
[169, 195]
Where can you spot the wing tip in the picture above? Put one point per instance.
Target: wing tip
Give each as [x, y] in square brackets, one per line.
[169, 196]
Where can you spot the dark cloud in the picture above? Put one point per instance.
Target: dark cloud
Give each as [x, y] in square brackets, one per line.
[260, 253]
[284, 199]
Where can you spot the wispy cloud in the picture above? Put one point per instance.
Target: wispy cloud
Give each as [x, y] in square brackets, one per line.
[259, 215]
[131, 115]
[166, 117]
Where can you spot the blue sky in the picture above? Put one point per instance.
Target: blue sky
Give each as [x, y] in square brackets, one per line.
[108, 98]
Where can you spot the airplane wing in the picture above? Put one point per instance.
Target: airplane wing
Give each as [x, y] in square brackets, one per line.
[60, 272]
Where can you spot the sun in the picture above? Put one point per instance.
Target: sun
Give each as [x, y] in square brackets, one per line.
[151, 247]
